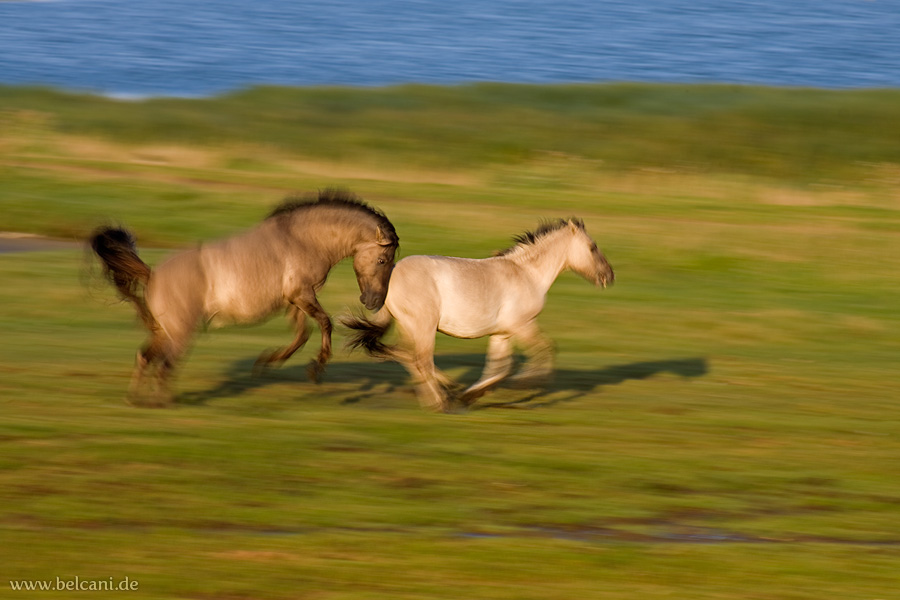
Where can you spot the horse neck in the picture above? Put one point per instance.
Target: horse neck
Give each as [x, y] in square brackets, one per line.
[546, 258]
[335, 236]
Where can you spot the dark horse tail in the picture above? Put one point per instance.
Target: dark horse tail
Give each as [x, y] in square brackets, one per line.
[123, 267]
[367, 334]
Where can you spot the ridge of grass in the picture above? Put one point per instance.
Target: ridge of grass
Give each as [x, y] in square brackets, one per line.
[794, 134]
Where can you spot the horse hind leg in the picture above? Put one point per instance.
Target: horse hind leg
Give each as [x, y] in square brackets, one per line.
[430, 382]
[143, 360]
[497, 366]
[166, 348]
[430, 387]
[175, 302]
[156, 355]
[174, 351]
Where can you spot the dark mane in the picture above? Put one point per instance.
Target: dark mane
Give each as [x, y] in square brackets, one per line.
[529, 238]
[334, 197]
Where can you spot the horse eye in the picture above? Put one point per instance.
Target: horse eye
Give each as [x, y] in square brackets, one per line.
[381, 261]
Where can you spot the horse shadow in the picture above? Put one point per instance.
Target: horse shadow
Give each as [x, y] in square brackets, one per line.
[371, 380]
[566, 385]
[243, 376]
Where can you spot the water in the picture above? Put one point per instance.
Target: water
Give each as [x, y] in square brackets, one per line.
[172, 47]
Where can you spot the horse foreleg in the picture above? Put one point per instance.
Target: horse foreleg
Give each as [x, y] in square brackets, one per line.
[496, 368]
[308, 303]
[280, 355]
[539, 352]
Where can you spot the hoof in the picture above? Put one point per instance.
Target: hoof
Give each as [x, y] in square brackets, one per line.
[470, 396]
[443, 408]
[314, 371]
[149, 401]
[435, 405]
[468, 400]
[266, 361]
[529, 379]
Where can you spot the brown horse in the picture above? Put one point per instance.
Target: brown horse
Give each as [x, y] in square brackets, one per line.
[281, 263]
[500, 297]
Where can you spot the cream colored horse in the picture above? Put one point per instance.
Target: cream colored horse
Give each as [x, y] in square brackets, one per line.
[500, 297]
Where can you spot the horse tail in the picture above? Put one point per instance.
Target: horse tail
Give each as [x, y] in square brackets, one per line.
[367, 334]
[116, 249]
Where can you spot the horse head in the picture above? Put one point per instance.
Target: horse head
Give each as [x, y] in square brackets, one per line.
[373, 262]
[585, 257]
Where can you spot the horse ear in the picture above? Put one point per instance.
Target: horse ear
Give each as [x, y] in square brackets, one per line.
[380, 238]
[573, 225]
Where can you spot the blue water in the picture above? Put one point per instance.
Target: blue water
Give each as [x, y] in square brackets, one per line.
[174, 47]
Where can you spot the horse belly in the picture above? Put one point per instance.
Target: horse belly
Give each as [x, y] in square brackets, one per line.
[465, 328]
[239, 295]
[230, 311]
[467, 313]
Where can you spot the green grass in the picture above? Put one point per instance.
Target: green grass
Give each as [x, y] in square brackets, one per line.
[721, 424]
[795, 134]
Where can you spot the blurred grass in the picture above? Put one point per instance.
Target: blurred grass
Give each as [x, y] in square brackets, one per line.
[796, 134]
[722, 420]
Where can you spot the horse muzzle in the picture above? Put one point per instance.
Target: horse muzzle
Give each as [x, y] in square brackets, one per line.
[372, 301]
[606, 279]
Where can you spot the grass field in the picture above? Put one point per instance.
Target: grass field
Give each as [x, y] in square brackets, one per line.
[722, 424]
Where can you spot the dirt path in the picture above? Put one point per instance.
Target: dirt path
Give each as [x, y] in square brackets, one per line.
[11, 241]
